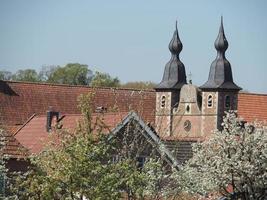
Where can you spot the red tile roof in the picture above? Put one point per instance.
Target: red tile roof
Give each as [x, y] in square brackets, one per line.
[252, 107]
[12, 147]
[34, 135]
[20, 100]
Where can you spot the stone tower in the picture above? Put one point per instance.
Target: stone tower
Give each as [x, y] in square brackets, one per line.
[168, 90]
[219, 93]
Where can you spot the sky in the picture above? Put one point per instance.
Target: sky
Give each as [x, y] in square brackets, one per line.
[129, 39]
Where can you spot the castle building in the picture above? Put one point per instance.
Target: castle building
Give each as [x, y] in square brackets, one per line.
[185, 111]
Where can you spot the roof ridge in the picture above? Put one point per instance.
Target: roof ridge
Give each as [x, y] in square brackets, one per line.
[253, 93]
[80, 86]
[76, 114]
[30, 118]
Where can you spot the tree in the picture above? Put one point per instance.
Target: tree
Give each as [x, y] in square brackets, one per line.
[26, 75]
[104, 80]
[5, 75]
[46, 72]
[3, 170]
[72, 73]
[139, 85]
[71, 163]
[68, 169]
[233, 161]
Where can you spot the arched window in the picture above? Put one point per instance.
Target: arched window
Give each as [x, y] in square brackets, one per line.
[210, 102]
[227, 102]
[163, 101]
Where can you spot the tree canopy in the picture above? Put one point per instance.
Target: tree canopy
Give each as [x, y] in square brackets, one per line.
[5, 75]
[233, 161]
[139, 85]
[72, 73]
[104, 80]
[82, 165]
[29, 75]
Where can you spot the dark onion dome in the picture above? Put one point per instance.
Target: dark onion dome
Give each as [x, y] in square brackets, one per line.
[220, 76]
[174, 74]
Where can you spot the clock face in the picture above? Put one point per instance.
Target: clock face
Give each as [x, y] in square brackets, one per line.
[187, 125]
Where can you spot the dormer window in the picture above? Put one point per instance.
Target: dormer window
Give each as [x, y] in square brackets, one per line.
[163, 101]
[227, 102]
[210, 101]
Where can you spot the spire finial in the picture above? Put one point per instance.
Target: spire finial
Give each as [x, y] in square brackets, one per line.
[190, 77]
[221, 43]
[220, 76]
[175, 45]
[174, 76]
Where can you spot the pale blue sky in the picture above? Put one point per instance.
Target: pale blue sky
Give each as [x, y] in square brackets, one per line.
[129, 39]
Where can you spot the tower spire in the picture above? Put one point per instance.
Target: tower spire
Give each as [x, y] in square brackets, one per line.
[221, 43]
[220, 76]
[174, 74]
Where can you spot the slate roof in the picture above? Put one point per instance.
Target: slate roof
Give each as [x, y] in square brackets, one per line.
[174, 76]
[182, 150]
[34, 136]
[220, 75]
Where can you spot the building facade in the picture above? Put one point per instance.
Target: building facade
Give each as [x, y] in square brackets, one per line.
[185, 111]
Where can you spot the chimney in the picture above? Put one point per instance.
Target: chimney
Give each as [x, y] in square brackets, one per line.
[50, 115]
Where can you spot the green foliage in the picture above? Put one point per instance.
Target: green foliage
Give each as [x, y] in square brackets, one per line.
[26, 75]
[72, 73]
[3, 170]
[5, 75]
[233, 161]
[46, 72]
[80, 165]
[104, 80]
[158, 179]
[139, 85]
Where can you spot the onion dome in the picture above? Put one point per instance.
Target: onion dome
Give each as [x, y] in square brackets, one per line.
[220, 75]
[174, 74]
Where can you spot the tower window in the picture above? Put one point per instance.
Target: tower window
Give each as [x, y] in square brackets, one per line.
[210, 101]
[187, 109]
[227, 102]
[163, 101]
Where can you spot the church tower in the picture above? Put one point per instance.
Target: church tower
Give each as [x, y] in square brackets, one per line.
[168, 90]
[219, 93]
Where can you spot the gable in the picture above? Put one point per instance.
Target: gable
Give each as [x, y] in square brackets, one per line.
[143, 134]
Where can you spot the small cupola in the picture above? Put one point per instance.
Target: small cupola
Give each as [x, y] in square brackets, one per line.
[220, 75]
[174, 73]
